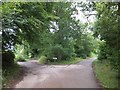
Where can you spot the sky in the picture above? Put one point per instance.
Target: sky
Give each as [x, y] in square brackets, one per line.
[81, 16]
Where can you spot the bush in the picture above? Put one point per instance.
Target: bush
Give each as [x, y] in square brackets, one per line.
[9, 74]
[56, 52]
[103, 52]
[59, 53]
[7, 58]
[21, 53]
[21, 59]
[110, 55]
[84, 56]
[43, 60]
[114, 58]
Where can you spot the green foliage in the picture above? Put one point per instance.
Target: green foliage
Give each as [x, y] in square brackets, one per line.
[22, 53]
[103, 51]
[19, 20]
[9, 37]
[106, 76]
[70, 33]
[86, 44]
[43, 60]
[7, 59]
[57, 52]
[110, 55]
[20, 59]
[9, 74]
[107, 28]
[27, 30]
[41, 28]
[67, 62]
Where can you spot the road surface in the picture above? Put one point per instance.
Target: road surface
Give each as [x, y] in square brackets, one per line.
[78, 75]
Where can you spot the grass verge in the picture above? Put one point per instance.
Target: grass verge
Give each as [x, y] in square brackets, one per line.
[66, 62]
[9, 73]
[106, 76]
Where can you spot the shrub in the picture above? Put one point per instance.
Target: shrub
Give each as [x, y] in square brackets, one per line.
[69, 53]
[59, 53]
[21, 53]
[21, 59]
[84, 56]
[103, 52]
[110, 55]
[7, 58]
[55, 51]
[43, 60]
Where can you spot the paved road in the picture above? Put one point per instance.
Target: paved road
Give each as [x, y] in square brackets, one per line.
[58, 76]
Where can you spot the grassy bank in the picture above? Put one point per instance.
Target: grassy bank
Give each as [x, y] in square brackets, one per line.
[64, 62]
[9, 73]
[106, 76]
[72, 61]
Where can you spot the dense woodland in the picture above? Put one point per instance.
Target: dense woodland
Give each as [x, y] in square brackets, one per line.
[49, 31]
[44, 29]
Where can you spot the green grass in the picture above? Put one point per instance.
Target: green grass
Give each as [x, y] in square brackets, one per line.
[43, 60]
[64, 62]
[106, 76]
[9, 73]
[93, 55]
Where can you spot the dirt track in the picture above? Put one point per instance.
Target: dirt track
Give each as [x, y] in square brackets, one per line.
[58, 76]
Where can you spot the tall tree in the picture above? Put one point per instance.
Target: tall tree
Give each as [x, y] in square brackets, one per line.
[107, 27]
[23, 22]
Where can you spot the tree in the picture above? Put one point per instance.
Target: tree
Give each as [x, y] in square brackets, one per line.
[23, 22]
[107, 27]
[40, 26]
